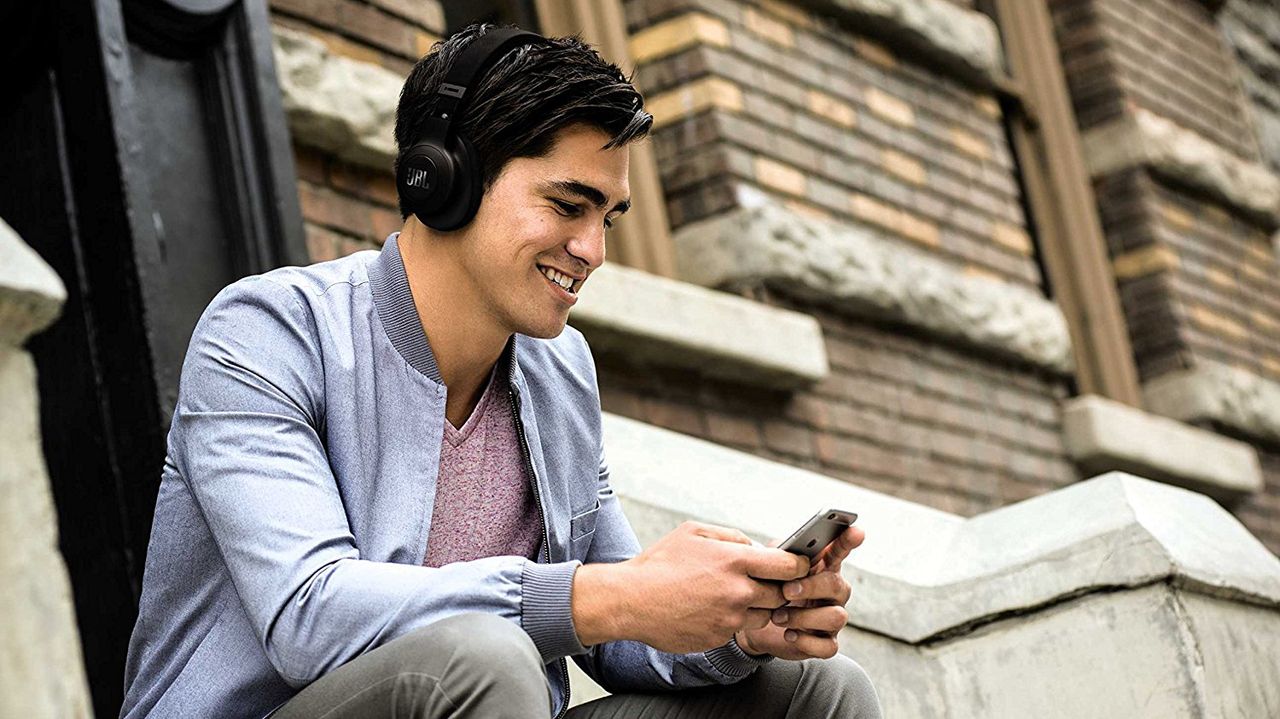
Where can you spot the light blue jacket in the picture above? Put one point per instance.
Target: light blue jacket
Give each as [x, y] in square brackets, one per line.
[296, 500]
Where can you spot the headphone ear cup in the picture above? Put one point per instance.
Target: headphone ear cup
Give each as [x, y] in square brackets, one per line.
[426, 178]
[460, 207]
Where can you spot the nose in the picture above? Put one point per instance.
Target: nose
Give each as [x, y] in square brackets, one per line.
[588, 247]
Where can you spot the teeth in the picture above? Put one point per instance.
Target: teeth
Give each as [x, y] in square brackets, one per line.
[560, 279]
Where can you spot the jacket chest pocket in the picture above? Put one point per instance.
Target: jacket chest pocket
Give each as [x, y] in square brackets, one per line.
[582, 528]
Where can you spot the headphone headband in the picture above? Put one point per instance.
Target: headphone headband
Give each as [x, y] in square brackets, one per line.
[469, 68]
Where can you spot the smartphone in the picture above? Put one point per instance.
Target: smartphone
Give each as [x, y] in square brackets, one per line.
[814, 535]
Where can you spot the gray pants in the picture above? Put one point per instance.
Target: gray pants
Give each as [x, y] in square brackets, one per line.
[480, 665]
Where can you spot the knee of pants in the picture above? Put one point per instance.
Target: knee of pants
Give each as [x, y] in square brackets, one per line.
[849, 675]
[483, 642]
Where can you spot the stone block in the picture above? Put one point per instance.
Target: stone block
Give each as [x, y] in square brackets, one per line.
[961, 40]
[851, 269]
[339, 105]
[1143, 138]
[1115, 597]
[31, 294]
[655, 320]
[1215, 392]
[41, 668]
[924, 574]
[1103, 435]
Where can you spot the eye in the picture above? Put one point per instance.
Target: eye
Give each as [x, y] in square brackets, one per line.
[568, 209]
[608, 223]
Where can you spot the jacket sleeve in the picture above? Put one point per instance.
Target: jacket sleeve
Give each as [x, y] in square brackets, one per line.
[246, 439]
[634, 666]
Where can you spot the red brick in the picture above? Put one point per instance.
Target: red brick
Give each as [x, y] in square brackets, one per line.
[731, 430]
[678, 417]
[322, 245]
[810, 410]
[325, 207]
[310, 164]
[323, 12]
[426, 14]
[860, 456]
[384, 222]
[377, 28]
[373, 185]
[787, 438]
[619, 401]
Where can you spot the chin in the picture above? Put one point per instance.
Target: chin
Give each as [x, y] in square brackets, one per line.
[544, 330]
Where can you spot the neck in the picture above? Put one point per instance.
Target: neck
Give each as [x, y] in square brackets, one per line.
[464, 338]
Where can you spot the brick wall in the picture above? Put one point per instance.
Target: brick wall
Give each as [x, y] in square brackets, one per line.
[900, 414]
[347, 207]
[1252, 29]
[1195, 281]
[1198, 279]
[1166, 56]
[761, 98]
[766, 98]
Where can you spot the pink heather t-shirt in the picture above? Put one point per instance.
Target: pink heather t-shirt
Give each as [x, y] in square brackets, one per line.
[484, 502]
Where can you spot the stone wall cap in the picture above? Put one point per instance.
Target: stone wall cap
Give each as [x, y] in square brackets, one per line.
[925, 574]
[31, 293]
[1212, 391]
[1102, 434]
[656, 320]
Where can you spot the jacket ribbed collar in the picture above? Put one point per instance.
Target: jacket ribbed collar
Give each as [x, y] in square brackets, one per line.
[394, 301]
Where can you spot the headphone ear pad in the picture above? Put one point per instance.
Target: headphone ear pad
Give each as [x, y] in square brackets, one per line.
[467, 190]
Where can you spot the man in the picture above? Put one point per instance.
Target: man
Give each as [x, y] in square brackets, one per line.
[385, 493]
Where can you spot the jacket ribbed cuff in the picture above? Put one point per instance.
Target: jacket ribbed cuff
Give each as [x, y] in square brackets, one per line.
[733, 662]
[546, 609]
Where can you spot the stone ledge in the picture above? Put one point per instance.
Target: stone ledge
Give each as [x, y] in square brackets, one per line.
[849, 268]
[924, 574]
[962, 41]
[1215, 392]
[31, 293]
[1102, 435]
[1143, 138]
[660, 321]
[343, 106]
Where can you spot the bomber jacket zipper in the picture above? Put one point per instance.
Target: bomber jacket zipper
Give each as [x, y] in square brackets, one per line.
[537, 498]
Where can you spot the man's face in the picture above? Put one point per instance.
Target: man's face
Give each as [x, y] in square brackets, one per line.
[544, 216]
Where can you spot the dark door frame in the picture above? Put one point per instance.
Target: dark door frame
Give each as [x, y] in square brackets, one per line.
[76, 187]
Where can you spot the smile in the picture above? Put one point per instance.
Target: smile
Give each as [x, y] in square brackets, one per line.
[561, 280]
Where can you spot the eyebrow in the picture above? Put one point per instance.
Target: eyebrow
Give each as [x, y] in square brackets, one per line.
[586, 192]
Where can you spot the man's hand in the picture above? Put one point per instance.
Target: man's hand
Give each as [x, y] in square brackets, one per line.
[808, 626]
[689, 591]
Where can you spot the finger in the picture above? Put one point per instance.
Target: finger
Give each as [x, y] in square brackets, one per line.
[767, 596]
[824, 621]
[835, 553]
[757, 619]
[824, 587]
[769, 563]
[811, 644]
[724, 534]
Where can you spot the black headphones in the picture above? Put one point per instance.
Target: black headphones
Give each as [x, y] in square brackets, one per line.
[439, 178]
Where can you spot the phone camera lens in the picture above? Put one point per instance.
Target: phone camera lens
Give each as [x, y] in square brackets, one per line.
[831, 516]
[811, 543]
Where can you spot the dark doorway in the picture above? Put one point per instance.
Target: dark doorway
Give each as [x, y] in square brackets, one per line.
[146, 159]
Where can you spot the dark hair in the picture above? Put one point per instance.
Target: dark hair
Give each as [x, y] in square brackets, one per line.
[525, 98]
